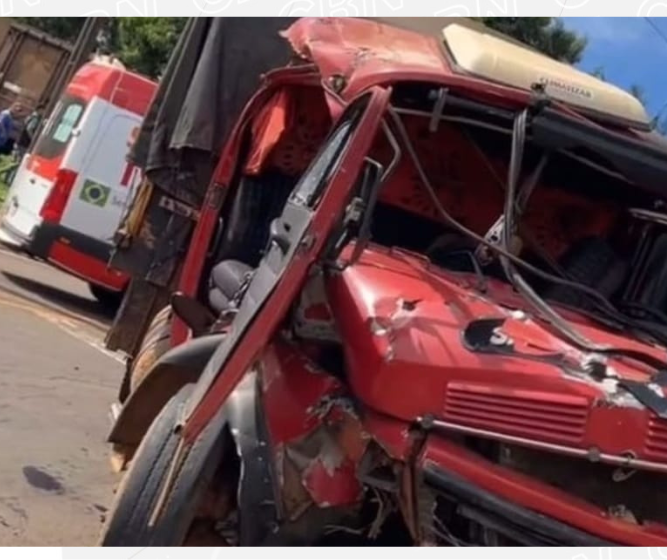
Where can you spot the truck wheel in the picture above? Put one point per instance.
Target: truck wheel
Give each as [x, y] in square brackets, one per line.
[154, 345]
[109, 299]
[128, 523]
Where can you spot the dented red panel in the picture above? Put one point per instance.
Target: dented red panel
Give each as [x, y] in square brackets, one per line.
[343, 47]
[335, 487]
[354, 54]
[392, 435]
[295, 393]
[403, 321]
[313, 428]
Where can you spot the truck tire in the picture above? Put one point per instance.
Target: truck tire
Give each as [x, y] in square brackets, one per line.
[108, 299]
[128, 521]
[154, 345]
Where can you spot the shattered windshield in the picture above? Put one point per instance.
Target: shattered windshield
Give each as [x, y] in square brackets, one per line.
[566, 231]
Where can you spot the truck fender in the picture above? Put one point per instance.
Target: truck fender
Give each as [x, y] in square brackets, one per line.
[241, 420]
[257, 500]
[261, 487]
[172, 371]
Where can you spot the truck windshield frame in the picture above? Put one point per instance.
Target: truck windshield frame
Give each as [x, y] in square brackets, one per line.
[312, 183]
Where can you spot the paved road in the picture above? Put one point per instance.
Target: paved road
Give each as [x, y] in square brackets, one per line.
[55, 389]
[44, 284]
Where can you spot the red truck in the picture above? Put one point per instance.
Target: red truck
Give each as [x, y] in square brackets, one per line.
[422, 304]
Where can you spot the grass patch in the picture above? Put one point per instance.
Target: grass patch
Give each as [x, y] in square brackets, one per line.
[5, 161]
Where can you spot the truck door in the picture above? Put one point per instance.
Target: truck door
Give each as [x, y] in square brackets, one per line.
[297, 239]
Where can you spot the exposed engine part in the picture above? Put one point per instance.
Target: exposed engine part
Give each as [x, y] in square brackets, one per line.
[457, 513]
[632, 498]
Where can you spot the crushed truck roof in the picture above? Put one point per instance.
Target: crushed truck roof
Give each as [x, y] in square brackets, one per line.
[366, 53]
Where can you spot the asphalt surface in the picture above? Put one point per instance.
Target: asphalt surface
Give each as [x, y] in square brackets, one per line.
[43, 284]
[56, 385]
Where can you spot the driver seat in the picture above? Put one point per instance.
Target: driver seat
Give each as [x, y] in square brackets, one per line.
[258, 201]
[225, 282]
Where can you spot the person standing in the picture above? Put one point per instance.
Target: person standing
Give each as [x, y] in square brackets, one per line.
[8, 127]
[30, 129]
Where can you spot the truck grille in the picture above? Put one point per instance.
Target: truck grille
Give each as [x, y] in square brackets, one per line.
[552, 418]
[656, 439]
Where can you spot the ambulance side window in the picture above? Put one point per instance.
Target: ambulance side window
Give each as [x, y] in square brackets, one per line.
[53, 140]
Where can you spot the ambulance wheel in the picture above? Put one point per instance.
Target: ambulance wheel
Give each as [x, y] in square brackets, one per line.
[129, 520]
[109, 299]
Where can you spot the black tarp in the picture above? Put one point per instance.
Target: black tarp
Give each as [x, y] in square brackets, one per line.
[212, 73]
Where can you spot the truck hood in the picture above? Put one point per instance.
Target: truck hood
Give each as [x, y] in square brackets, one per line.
[400, 278]
[421, 341]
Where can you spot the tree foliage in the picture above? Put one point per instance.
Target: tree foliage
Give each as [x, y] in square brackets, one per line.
[545, 34]
[145, 44]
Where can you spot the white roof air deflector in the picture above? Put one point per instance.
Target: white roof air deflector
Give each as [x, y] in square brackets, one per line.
[491, 58]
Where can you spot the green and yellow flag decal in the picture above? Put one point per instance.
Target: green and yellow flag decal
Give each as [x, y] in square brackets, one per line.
[94, 193]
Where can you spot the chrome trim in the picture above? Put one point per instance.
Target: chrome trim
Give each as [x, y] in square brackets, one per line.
[593, 455]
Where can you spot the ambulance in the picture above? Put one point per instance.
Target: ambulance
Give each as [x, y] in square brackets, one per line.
[71, 192]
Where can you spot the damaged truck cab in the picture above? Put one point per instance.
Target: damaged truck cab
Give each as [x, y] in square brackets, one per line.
[422, 304]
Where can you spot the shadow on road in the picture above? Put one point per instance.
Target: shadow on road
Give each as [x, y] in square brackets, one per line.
[86, 308]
